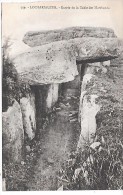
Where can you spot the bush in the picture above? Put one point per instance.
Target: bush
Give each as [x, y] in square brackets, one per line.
[10, 80]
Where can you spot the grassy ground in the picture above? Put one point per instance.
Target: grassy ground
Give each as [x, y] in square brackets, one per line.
[92, 169]
[98, 169]
[101, 168]
[42, 162]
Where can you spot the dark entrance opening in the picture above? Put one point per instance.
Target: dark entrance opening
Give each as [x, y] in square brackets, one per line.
[73, 87]
[40, 92]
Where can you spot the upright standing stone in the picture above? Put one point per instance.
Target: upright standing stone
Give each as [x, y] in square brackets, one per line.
[89, 110]
[52, 95]
[29, 115]
[13, 133]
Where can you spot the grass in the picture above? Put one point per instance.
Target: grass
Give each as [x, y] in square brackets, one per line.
[91, 169]
[100, 168]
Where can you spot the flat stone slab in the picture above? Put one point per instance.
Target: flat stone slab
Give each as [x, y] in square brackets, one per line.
[36, 38]
[56, 62]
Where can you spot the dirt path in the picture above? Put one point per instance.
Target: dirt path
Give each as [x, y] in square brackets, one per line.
[57, 141]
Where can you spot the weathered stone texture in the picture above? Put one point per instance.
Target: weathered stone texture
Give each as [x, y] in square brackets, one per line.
[98, 101]
[13, 133]
[89, 110]
[91, 90]
[36, 38]
[56, 62]
[29, 115]
[106, 63]
[52, 95]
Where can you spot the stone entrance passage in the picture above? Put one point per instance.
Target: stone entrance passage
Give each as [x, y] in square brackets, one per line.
[45, 98]
[64, 81]
[56, 142]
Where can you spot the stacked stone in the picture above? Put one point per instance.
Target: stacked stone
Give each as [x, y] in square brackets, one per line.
[48, 63]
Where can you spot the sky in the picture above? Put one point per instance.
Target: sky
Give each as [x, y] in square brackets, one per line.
[17, 21]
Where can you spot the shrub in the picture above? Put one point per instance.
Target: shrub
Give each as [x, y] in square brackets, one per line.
[10, 80]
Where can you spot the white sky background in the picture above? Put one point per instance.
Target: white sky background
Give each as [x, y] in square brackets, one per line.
[16, 21]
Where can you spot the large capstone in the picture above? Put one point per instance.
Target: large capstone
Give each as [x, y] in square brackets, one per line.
[56, 62]
[36, 38]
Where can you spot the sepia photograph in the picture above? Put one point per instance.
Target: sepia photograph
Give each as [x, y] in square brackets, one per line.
[62, 95]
